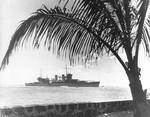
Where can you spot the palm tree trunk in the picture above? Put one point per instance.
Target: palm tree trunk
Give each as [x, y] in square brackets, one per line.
[141, 108]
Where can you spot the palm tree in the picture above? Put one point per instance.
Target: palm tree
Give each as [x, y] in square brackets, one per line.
[85, 29]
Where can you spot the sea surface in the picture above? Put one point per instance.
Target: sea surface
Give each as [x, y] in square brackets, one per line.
[25, 96]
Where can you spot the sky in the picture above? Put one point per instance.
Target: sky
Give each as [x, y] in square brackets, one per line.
[26, 64]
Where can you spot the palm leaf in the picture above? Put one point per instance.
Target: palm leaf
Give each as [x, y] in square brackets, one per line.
[142, 33]
[67, 32]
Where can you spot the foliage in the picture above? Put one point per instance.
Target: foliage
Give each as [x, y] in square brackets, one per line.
[87, 29]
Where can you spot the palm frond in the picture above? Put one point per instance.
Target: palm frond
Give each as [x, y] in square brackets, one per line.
[146, 33]
[142, 32]
[67, 32]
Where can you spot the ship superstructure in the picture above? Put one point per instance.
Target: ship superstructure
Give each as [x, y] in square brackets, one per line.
[63, 80]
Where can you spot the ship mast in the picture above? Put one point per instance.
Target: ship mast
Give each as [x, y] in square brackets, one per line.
[66, 70]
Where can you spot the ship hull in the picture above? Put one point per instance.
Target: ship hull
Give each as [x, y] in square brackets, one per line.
[57, 84]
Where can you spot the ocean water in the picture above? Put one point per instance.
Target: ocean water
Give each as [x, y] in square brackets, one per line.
[23, 96]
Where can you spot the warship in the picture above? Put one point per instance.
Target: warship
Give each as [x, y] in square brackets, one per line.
[63, 80]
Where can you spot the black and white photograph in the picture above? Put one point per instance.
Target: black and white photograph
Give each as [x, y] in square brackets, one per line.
[75, 58]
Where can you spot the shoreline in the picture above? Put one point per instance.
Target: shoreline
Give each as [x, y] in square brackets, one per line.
[65, 103]
[71, 109]
[102, 109]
